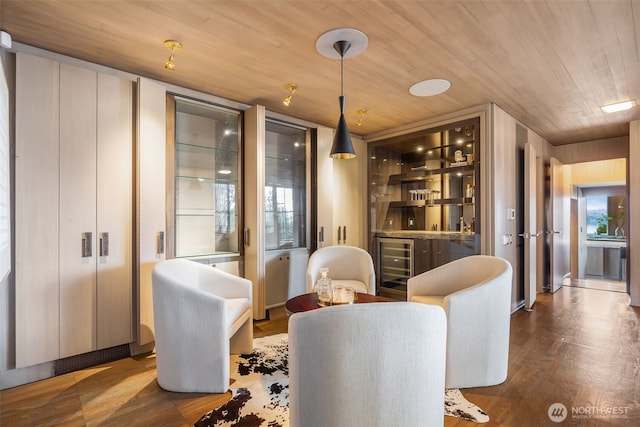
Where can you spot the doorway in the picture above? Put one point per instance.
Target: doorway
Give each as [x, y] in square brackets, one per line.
[599, 225]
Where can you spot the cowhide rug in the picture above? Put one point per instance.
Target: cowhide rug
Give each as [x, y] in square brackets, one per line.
[260, 393]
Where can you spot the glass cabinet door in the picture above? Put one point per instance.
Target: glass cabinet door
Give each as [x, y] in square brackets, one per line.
[207, 192]
[285, 186]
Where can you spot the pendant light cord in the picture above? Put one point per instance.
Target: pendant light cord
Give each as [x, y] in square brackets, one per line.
[341, 75]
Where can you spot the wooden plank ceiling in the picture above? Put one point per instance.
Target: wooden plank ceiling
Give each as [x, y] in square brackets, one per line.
[551, 64]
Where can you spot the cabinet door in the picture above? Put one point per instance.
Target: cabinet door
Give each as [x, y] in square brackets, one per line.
[114, 211]
[327, 233]
[276, 280]
[77, 210]
[36, 210]
[151, 172]
[423, 260]
[349, 187]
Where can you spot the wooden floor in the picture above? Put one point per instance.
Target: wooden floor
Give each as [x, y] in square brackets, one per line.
[602, 284]
[579, 347]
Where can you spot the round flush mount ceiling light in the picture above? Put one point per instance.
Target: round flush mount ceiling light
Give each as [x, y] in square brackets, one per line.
[430, 87]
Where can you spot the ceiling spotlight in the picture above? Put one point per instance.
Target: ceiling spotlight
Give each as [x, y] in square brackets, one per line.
[291, 87]
[361, 112]
[173, 45]
[620, 106]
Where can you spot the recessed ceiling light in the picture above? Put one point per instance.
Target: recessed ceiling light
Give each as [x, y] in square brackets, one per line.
[620, 106]
[430, 87]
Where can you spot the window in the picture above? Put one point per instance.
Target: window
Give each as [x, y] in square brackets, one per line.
[605, 213]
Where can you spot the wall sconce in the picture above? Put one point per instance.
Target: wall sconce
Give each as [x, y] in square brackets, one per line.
[361, 112]
[173, 45]
[291, 87]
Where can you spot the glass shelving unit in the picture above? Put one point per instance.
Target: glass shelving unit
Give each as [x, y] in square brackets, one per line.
[206, 180]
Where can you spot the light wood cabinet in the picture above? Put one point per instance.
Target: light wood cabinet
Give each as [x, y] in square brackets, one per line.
[77, 209]
[151, 154]
[82, 205]
[349, 183]
[341, 193]
[37, 211]
[114, 324]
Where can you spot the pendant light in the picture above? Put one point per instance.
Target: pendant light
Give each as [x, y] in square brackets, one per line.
[345, 43]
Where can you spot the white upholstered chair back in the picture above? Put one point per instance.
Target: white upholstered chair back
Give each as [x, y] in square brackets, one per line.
[375, 364]
[348, 265]
[201, 316]
[475, 292]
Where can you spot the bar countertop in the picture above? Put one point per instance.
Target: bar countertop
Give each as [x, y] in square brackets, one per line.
[421, 234]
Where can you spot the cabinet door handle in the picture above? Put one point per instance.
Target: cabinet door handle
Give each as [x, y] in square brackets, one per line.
[246, 237]
[86, 244]
[160, 243]
[104, 244]
[339, 236]
[321, 235]
[344, 234]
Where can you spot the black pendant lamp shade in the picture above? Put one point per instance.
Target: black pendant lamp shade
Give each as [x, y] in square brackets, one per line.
[334, 44]
[342, 147]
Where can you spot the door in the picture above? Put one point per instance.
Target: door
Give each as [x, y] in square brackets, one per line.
[529, 233]
[559, 255]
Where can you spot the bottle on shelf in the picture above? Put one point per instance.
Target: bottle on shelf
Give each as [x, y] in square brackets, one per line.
[469, 192]
[323, 288]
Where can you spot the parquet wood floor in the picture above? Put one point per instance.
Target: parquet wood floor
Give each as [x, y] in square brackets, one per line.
[579, 347]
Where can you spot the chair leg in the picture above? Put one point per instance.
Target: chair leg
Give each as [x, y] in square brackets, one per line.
[242, 341]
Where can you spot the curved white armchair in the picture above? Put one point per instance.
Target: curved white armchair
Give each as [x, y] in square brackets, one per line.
[475, 292]
[376, 364]
[201, 316]
[348, 265]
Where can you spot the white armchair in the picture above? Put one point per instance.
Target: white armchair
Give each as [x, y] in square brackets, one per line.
[348, 265]
[376, 364]
[201, 316]
[475, 292]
